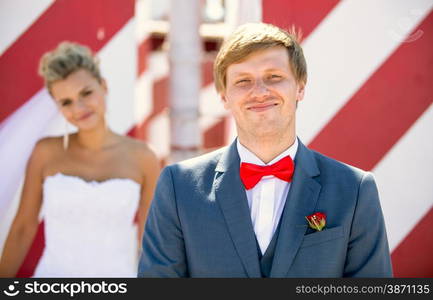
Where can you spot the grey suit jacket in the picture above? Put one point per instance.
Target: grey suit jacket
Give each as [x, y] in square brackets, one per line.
[199, 223]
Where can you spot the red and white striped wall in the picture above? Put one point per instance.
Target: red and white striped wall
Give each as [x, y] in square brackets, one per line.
[368, 97]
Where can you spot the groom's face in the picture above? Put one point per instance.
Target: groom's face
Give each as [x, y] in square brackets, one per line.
[262, 92]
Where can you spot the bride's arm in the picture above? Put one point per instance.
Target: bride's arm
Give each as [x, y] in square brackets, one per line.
[25, 224]
[151, 170]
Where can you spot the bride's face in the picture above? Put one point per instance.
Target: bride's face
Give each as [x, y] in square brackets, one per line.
[81, 99]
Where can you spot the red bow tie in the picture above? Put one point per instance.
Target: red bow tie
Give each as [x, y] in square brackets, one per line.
[251, 174]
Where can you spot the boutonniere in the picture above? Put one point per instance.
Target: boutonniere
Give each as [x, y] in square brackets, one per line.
[317, 221]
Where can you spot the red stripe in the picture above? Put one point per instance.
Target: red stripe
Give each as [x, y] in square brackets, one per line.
[160, 103]
[385, 107]
[207, 71]
[304, 14]
[77, 20]
[35, 252]
[214, 137]
[143, 53]
[413, 256]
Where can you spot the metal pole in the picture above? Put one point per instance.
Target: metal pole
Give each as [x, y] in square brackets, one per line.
[185, 56]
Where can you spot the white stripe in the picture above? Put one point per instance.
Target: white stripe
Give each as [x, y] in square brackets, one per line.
[143, 97]
[158, 65]
[142, 15]
[239, 12]
[159, 135]
[16, 17]
[211, 107]
[9, 215]
[157, 70]
[346, 48]
[18, 135]
[119, 68]
[404, 180]
[231, 131]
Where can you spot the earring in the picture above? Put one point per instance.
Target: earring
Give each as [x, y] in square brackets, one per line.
[106, 118]
[66, 136]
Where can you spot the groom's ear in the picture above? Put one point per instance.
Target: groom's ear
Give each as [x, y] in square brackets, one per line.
[300, 91]
[224, 100]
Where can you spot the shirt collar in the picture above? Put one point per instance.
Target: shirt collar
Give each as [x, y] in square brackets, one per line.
[248, 157]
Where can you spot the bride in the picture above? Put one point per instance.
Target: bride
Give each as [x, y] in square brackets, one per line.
[93, 187]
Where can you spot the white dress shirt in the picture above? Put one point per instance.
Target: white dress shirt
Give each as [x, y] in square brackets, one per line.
[266, 199]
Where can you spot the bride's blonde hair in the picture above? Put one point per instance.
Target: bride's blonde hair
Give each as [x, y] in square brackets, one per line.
[67, 58]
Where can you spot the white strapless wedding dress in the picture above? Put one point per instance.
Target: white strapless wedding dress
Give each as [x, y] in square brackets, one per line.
[89, 227]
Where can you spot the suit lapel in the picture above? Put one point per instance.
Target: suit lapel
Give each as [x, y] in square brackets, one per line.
[231, 197]
[300, 202]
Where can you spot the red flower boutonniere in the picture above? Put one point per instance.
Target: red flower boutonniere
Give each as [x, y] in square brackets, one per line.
[317, 220]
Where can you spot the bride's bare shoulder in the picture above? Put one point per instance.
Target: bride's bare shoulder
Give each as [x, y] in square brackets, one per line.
[48, 148]
[49, 144]
[144, 155]
[44, 151]
[138, 147]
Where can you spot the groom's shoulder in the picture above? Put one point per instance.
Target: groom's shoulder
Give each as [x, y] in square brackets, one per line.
[199, 164]
[333, 167]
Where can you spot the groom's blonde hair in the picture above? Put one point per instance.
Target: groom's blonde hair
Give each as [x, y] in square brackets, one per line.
[253, 37]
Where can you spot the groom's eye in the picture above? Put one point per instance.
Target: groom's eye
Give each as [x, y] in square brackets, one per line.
[87, 93]
[242, 81]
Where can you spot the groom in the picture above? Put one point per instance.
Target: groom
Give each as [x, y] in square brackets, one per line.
[265, 206]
